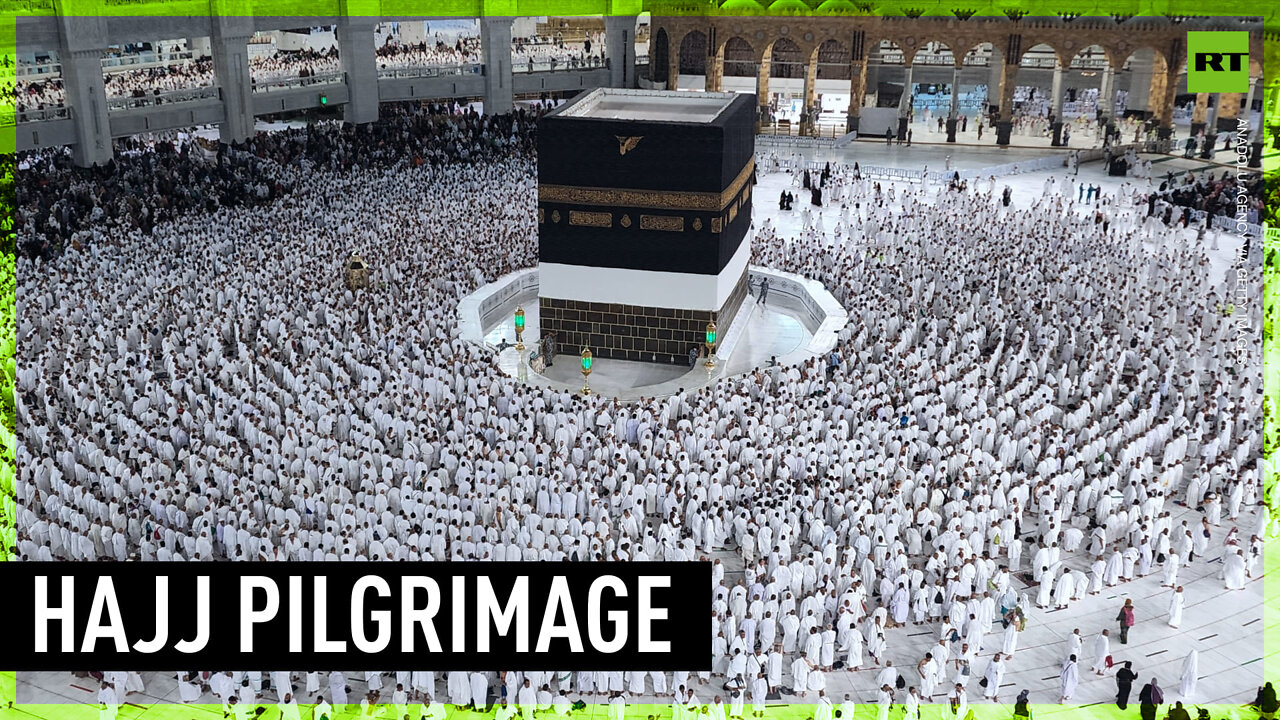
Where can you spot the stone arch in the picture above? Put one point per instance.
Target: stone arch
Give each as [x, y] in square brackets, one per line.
[982, 54]
[1154, 101]
[1089, 57]
[891, 57]
[984, 57]
[934, 53]
[1034, 57]
[1084, 81]
[739, 56]
[693, 53]
[1158, 58]
[659, 54]
[883, 48]
[832, 58]
[786, 59]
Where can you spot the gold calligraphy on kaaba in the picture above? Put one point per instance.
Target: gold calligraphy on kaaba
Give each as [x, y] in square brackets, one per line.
[591, 219]
[669, 223]
[714, 202]
[627, 144]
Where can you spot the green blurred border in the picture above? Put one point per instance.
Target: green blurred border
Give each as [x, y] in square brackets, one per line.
[8, 292]
[528, 8]
[11, 9]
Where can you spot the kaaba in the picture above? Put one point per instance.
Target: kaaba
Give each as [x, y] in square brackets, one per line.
[644, 199]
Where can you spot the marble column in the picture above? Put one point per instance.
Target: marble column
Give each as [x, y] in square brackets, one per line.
[807, 119]
[495, 48]
[904, 102]
[857, 94]
[1167, 85]
[360, 64]
[1004, 126]
[1198, 112]
[1254, 136]
[230, 45]
[1247, 110]
[953, 113]
[1140, 78]
[620, 49]
[762, 82]
[82, 42]
[1055, 104]
[1107, 97]
[714, 72]
[1211, 127]
[904, 105]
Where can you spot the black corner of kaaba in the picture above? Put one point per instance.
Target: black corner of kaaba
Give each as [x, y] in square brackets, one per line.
[651, 195]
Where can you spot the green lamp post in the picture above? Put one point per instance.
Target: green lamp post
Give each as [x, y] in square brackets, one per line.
[520, 328]
[586, 370]
[711, 344]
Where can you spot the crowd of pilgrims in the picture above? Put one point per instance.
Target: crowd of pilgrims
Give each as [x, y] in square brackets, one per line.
[141, 82]
[1218, 196]
[49, 92]
[154, 82]
[558, 52]
[392, 54]
[61, 205]
[1030, 407]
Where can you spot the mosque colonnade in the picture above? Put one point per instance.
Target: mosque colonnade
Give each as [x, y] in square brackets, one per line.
[870, 54]
[90, 120]
[1002, 54]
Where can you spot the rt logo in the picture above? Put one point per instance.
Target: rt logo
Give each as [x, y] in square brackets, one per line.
[1219, 62]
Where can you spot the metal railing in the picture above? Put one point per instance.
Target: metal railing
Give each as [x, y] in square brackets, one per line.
[208, 92]
[1228, 223]
[536, 66]
[1225, 223]
[935, 60]
[117, 63]
[1089, 64]
[789, 128]
[1014, 168]
[110, 63]
[794, 141]
[260, 86]
[1041, 62]
[937, 177]
[51, 113]
[40, 71]
[430, 71]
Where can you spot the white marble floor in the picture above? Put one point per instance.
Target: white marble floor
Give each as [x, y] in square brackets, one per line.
[770, 332]
[1229, 629]
[783, 331]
